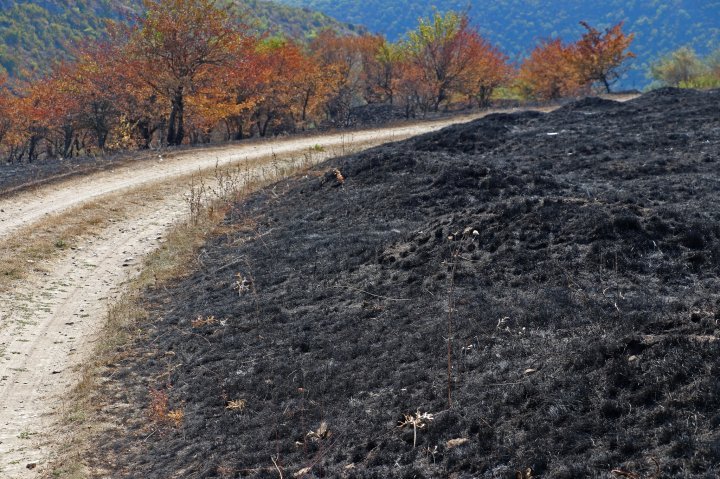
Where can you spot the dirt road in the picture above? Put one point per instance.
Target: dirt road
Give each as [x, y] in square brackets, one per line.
[48, 321]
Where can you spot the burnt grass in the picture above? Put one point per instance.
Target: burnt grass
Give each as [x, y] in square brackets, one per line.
[578, 252]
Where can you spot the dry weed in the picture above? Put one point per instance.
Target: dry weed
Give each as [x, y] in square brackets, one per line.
[199, 322]
[322, 432]
[159, 412]
[236, 405]
[418, 421]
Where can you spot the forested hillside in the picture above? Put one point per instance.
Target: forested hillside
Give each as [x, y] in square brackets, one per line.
[516, 25]
[32, 33]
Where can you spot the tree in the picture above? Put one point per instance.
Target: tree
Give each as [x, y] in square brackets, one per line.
[279, 98]
[412, 89]
[345, 58]
[550, 72]
[175, 48]
[52, 108]
[488, 70]
[599, 57]
[6, 100]
[94, 81]
[713, 63]
[10, 131]
[383, 72]
[678, 68]
[440, 49]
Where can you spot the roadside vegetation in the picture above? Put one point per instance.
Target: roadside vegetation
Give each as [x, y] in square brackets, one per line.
[190, 72]
[683, 68]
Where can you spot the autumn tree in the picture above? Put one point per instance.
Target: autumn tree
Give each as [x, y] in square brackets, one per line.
[92, 80]
[599, 56]
[488, 69]
[11, 121]
[175, 48]
[279, 95]
[440, 48]
[384, 70]
[549, 72]
[6, 109]
[375, 57]
[51, 109]
[412, 90]
[240, 88]
[344, 58]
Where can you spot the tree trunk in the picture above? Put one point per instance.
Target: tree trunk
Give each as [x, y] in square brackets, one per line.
[171, 126]
[306, 102]
[146, 132]
[68, 134]
[32, 155]
[176, 132]
[265, 126]
[238, 129]
[102, 135]
[607, 84]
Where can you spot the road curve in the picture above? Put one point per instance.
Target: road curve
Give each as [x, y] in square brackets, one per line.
[48, 321]
[25, 208]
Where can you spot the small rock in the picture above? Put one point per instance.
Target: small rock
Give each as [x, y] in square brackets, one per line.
[302, 472]
[452, 443]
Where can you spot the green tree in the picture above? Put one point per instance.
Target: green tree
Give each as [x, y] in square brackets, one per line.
[679, 68]
[440, 48]
[713, 63]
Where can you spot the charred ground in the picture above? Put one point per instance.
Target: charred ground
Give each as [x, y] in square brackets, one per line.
[578, 251]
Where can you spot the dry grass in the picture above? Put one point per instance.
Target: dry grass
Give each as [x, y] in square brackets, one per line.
[33, 248]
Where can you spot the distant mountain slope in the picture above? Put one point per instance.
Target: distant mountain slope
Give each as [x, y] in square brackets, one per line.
[33, 33]
[660, 25]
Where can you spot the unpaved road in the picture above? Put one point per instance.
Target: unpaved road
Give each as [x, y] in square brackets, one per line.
[48, 321]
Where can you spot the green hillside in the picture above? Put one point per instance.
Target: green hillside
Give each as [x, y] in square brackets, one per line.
[516, 25]
[33, 33]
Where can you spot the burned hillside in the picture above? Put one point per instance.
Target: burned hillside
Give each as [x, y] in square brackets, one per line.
[569, 260]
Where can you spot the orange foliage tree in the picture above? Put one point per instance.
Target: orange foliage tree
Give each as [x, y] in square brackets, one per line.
[177, 47]
[7, 113]
[279, 102]
[554, 70]
[120, 106]
[599, 57]
[344, 58]
[51, 109]
[550, 71]
[412, 89]
[93, 82]
[314, 86]
[487, 70]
